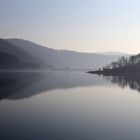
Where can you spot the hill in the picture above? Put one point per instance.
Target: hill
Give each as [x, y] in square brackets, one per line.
[64, 59]
[13, 57]
[115, 53]
[124, 66]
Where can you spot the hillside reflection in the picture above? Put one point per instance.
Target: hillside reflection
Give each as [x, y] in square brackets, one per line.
[23, 85]
[133, 82]
[12, 83]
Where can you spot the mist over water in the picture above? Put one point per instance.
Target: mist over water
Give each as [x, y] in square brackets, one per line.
[69, 106]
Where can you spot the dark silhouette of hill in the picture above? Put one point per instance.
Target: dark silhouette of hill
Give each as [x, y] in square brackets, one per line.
[131, 69]
[13, 57]
[122, 70]
[124, 66]
[63, 59]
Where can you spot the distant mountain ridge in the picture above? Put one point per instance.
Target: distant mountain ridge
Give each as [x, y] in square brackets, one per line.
[64, 59]
[115, 53]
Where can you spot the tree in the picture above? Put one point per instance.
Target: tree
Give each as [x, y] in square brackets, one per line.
[114, 64]
[108, 66]
[132, 60]
[122, 61]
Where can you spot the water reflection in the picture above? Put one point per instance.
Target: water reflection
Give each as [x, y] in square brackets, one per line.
[12, 83]
[20, 85]
[133, 82]
[26, 84]
[96, 110]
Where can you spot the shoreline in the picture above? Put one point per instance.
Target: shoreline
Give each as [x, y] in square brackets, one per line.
[113, 73]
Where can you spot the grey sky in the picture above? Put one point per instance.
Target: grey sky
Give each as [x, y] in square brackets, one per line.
[81, 25]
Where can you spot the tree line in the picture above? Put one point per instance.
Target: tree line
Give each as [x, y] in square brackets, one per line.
[123, 61]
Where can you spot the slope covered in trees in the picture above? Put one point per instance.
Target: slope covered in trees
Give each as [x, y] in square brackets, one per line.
[13, 57]
[123, 61]
[123, 66]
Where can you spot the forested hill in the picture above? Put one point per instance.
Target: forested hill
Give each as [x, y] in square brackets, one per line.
[13, 57]
[124, 65]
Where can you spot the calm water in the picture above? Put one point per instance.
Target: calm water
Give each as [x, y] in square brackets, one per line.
[69, 106]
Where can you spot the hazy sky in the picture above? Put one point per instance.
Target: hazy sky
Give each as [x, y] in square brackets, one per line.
[82, 25]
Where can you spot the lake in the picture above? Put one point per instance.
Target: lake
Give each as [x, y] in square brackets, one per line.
[69, 106]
